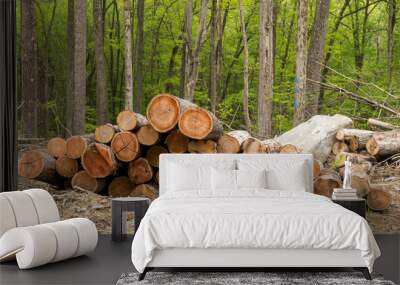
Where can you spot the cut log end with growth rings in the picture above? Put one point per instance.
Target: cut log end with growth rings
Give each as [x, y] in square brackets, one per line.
[163, 112]
[83, 180]
[99, 160]
[198, 123]
[57, 147]
[125, 146]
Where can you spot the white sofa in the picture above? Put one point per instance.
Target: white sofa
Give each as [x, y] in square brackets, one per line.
[31, 231]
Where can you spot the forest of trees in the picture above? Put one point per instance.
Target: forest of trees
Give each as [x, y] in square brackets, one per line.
[259, 65]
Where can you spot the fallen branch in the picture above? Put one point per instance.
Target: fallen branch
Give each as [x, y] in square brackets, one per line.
[357, 97]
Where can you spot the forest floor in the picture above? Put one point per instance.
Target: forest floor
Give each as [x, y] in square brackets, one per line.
[80, 203]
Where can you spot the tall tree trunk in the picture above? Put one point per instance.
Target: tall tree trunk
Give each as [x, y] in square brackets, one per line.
[45, 74]
[212, 90]
[246, 115]
[288, 43]
[139, 55]
[101, 81]
[301, 63]
[331, 42]
[390, 42]
[171, 69]
[28, 69]
[128, 90]
[222, 23]
[315, 56]
[193, 59]
[359, 40]
[187, 45]
[266, 73]
[69, 88]
[79, 90]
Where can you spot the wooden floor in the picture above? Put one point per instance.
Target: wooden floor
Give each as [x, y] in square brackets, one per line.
[110, 260]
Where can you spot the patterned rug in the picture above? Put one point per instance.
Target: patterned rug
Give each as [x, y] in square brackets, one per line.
[240, 278]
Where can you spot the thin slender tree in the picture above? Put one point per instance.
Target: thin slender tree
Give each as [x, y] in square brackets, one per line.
[69, 88]
[101, 80]
[301, 64]
[246, 116]
[79, 88]
[390, 43]
[193, 61]
[139, 54]
[28, 69]
[128, 80]
[316, 55]
[212, 90]
[187, 45]
[266, 73]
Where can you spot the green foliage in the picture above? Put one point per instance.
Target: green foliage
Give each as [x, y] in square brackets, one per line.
[163, 28]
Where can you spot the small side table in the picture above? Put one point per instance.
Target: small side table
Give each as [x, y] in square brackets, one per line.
[356, 205]
[119, 208]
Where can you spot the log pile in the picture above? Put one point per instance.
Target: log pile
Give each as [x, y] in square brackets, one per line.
[121, 158]
[369, 151]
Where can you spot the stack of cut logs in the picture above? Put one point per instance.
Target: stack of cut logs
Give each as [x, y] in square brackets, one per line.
[122, 160]
[364, 148]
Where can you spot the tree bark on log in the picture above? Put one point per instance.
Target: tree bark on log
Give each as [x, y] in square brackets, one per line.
[120, 186]
[77, 145]
[200, 124]
[339, 147]
[57, 147]
[177, 142]
[125, 146]
[157, 177]
[105, 133]
[317, 135]
[289, 148]
[272, 146]
[99, 160]
[253, 145]
[359, 181]
[84, 181]
[232, 142]
[317, 168]
[348, 134]
[145, 190]
[384, 143]
[353, 157]
[378, 200]
[66, 167]
[129, 121]
[153, 154]
[39, 165]
[147, 135]
[202, 146]
[164, 110]
[377, 125]
[140, 171]
[326, 182]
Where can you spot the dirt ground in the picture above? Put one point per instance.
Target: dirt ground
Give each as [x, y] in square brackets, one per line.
[77, 203]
